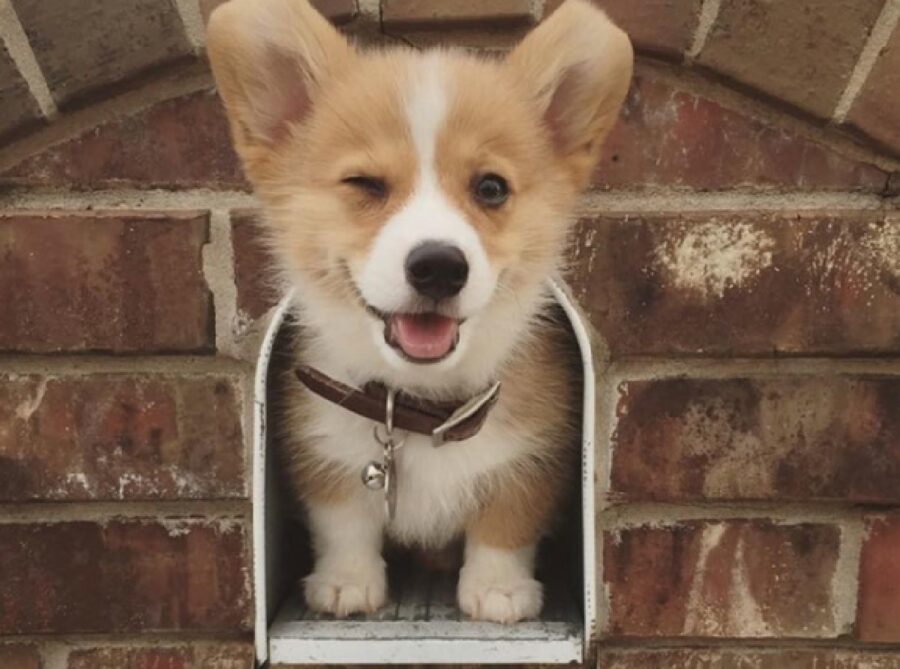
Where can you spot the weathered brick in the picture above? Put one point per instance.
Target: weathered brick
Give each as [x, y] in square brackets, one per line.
[120, 437]
[338, 11]
[756, 658]
[19, 656]
[428, 14]
[124, 576]
[747, 579]
[18, 108]
[252, 266]
[223, 655]
[879, 582]
[658, 26]
[668, 136]
[721, 283]
[875, 110]
[801, 52]
[104, 281]
[178, 143]
[85, 47]
[795, 438]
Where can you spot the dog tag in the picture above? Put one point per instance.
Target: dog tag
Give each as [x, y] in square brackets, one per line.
[383, 475]
[373, 476]
[390, 480]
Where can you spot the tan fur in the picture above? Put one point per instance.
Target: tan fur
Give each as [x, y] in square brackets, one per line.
[541, 388]
[356, 125]
[308, 110]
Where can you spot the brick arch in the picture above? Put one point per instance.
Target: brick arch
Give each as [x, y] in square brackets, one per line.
[738, 253]
[834, 63]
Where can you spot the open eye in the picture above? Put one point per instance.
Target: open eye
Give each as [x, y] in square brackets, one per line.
[490, 189]
[372, 186]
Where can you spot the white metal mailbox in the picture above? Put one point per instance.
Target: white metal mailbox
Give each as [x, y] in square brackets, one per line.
[425, 629]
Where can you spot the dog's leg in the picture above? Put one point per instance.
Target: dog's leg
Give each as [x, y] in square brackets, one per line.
[497, 579]
[349, 574]
[498, 584]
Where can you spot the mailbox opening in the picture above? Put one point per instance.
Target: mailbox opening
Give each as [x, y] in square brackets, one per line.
[422, 623]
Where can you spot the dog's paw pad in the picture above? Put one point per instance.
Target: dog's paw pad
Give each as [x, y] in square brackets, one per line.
[500, 601]
[344, 594]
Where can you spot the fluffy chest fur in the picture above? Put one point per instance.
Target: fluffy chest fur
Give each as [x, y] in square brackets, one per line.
[529, 439]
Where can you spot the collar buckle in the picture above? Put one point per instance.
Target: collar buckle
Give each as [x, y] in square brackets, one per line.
[467, 410]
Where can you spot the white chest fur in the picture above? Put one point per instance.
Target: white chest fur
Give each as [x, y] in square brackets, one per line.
[437, 486]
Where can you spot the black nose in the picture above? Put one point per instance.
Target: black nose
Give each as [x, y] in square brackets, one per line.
[436, 270]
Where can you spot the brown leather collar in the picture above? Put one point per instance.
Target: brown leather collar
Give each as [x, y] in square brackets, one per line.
[442, 421]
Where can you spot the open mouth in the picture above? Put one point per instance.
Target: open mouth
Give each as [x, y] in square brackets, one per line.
[421, 338]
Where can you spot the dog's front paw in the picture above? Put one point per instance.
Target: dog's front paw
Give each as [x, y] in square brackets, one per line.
[488, 594]
[344, 591]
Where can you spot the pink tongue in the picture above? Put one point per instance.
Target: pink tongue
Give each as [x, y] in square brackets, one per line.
[423, 336]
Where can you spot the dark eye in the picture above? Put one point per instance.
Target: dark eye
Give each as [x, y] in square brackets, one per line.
[490, 190]
[370, 185]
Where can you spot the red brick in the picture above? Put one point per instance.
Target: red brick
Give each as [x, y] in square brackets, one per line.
[659, 26]
[875, 110]
[879, 582]
[19, 110]
[178, 143]
[124, 576]
[84, 48]
[748, 579]
[723, 283]
[253, 272]
[765, 658]
[106, 437]
[19, 656]
[104, 281]
[224, 655]
[668, 136]
[428, 14]
[802, 52]
[338, 11]
[795, 438]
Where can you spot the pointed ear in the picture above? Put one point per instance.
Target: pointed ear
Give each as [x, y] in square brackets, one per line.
[577, 66]
[270, 58]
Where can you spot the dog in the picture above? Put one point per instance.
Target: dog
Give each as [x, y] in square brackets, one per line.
[416, 203]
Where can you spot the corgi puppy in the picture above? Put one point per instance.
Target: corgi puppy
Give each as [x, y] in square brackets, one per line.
[416, 204]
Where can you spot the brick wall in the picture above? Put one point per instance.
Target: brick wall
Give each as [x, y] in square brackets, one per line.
[739, 253]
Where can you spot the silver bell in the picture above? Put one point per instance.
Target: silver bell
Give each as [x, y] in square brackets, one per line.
[373, 475]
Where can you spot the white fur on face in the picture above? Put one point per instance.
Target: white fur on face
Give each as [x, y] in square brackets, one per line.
[428, 215]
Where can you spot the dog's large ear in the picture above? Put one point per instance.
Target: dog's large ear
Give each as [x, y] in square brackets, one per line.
[270, 58]
[577, 66]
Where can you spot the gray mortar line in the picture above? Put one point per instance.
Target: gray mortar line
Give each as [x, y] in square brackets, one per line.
[16, 41]
[195, 512]
[762, 646]
[370, 9]
[708, 14]
[194, 199]
[132, 639]
[54, 654]
[663, 515]
[192, 20]
[845, 581]
[83, 365]
[881, 32]
[657, 199]
[664, 199]
[756, 368]
[218, 270]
